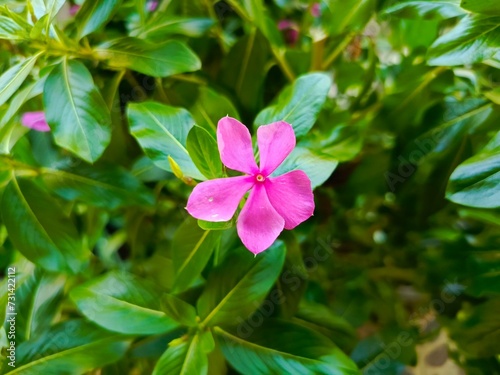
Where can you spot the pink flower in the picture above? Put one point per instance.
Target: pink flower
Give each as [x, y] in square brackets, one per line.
[290, 31]
[152, 5]
[274, 203]
[316, 10]
[74, 9]
[35, 121]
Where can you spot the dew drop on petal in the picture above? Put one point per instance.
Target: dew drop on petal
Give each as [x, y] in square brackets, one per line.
[211, 199]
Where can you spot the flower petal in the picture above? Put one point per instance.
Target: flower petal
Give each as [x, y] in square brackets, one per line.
[217, 200]
[292, 197]
[259, 224]
[235, 145]
[35, 121]
[276, 141]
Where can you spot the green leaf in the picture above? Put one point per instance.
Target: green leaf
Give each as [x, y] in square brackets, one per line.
[76, 111]
[252, 53]
[476, 182]
[299, 104]
[203, 150]
[179, 310]
[37, 298]
[280, 347]
[124, 303]
[426, 9]
[211, 225]
[46, 7]
[107, 187]
[191, 250]
[489, 7]
[74, 345]
[162, 131]
[340, 16]
[235, 289]
[316, 165]
[39, 229]
[183, 358]
[210, 108]
[11, 30]
[474, 39]
[13, 78]
[94, 14]
[164, 24]
[157, 60]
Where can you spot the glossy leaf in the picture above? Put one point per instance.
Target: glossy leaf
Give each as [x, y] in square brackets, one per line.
[192, 248]
[124, 303]
[110, 187]
[203, 150]
[75, 346]
[476, 182]
[94, 14]
[183, 358]
[39, 229]
[47, 8]
[299, 104]
[162, 131]
[235, 289]
[76, 111]
[179, 310]
[474, 39]
[278, 346]
[426, 9]
[157, 60]
[13, 78]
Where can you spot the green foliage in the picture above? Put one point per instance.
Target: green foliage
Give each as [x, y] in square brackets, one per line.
[394, 105]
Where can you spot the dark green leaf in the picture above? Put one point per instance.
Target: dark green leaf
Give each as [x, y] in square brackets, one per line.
[235, 289]
[76, 111]
[476, 38]
[489, 7]
[340, 16]
[192, 248]
[124, 303]
[278, 347]
[180, 311]
[203, 150]
[183, 357]
[299, 104]
[94, 14]
[157, 60]
[75, 346]
[162, 131]
[109, 187]
[39, 229]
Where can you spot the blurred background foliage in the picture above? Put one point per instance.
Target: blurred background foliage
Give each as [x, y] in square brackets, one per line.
[395, 107]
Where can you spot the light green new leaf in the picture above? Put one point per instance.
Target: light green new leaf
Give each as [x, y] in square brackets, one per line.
[39, 229]
[426, 9]
[316, 165]
[162, 131]
[124, 303]
[163, 24]
[489, 7]
[11, 30]
[74, 345]
[183, 358]
[299, 104]
[202, 148]
[94, 14]
[13, 78]
[46, 7]
[76, 111]
[191, 250]
[474, 39]
[235, 289]
[154, 59]
[281, 347]
[476, 182]
[109, 187]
